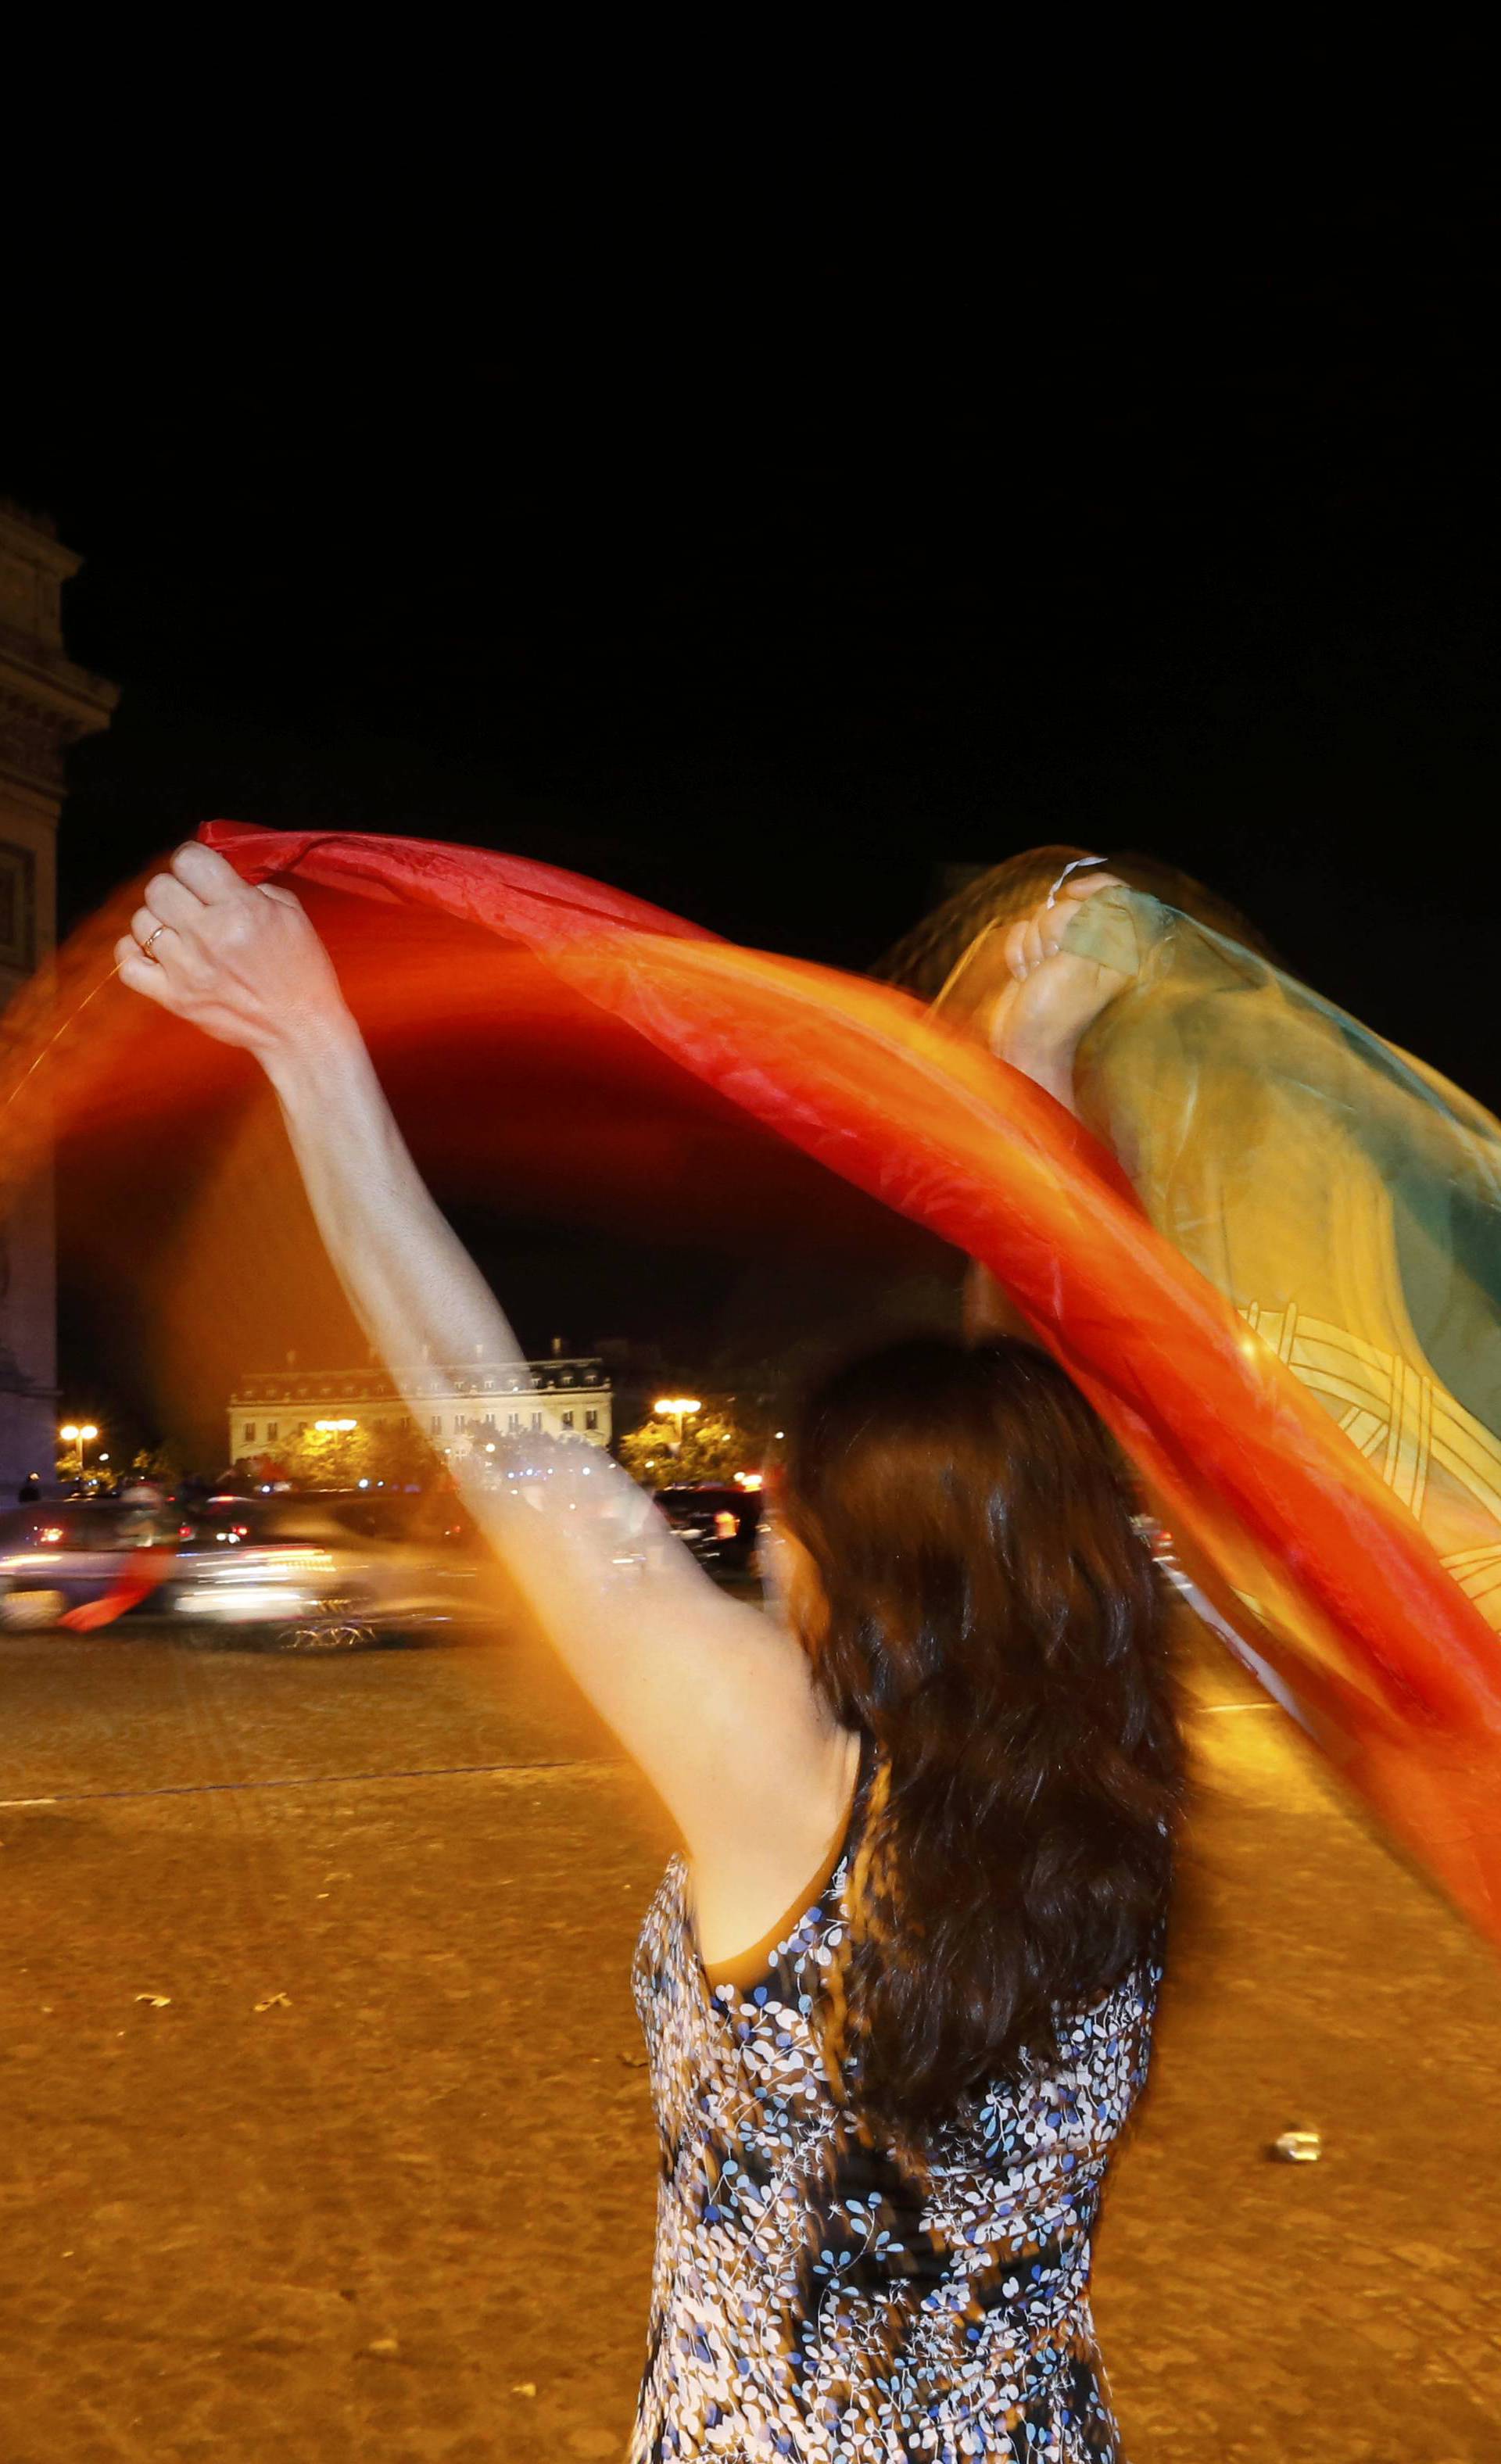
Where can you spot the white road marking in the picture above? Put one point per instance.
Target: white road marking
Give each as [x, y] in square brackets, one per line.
[321, 1779]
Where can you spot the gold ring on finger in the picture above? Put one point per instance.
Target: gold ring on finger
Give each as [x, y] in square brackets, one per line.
[148, 949]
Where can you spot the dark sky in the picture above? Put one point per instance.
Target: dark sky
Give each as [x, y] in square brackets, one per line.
[767, 586]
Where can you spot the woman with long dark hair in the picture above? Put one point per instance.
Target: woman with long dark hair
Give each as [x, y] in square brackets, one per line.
[897, 1989]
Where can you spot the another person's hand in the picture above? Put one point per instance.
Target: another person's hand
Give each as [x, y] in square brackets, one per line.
[1051, 995]
[238, 960]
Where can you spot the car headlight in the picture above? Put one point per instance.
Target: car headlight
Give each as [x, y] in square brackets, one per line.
[243, 1601]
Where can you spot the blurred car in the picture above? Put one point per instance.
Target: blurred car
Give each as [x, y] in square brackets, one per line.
[332, 1572]
[717, 1521]
[69, 1556]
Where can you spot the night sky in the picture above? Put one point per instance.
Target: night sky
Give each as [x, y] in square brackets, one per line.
[767, 586]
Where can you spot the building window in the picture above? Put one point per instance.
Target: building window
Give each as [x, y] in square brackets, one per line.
[272, 1426]
[567, 1420]
[434, 1425]
[591, 1419]
[250, 1432]
[458, 1425]
[513, 1422]
[537, 1419]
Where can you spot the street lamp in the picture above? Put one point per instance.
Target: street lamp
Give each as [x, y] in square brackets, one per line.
[678, 1408]
[78, 1434]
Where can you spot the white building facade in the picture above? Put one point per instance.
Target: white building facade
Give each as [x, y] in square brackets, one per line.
[482, 1403]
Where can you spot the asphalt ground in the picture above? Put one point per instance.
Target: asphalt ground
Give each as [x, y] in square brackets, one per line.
[326, 2126]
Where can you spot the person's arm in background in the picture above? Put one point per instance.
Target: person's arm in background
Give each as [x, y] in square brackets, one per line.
[1045, 998]
[1056, 978]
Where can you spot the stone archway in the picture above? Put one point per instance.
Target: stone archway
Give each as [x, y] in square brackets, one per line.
[46, 704]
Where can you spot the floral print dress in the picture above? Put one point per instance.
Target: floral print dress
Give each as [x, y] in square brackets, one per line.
[819, 2294]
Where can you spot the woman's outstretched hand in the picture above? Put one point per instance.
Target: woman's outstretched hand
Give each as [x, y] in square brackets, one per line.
[712, 1699]
[236, 958]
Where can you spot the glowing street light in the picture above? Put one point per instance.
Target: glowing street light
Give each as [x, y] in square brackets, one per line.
[678, 1408]
[78, 1434]
[335, 1428]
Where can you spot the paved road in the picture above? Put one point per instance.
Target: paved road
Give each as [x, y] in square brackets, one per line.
[369, 2175]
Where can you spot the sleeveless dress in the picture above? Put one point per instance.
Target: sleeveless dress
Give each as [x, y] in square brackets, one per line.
[817, 2293]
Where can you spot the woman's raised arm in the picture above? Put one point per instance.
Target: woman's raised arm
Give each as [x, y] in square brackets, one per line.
[708, 1697]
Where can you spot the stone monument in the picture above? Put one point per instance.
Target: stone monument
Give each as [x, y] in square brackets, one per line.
[46, 704]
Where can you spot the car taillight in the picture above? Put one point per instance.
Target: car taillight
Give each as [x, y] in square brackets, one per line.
[726, 1525]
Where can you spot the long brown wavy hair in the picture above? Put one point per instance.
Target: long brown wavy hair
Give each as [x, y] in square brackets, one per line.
[996, 1628]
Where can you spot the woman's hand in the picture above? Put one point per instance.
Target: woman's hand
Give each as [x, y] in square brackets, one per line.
[238, 960]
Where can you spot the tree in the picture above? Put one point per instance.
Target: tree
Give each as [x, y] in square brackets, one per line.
[402, 1456]
[714, 1445]
[341, 1458]
[328, 1458]
[161, 1465]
